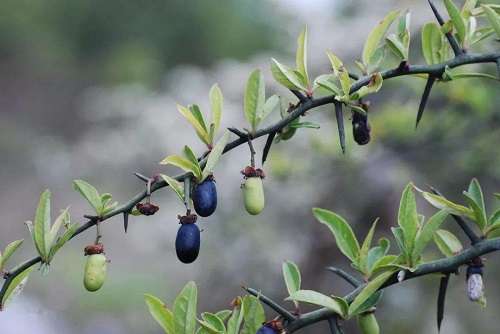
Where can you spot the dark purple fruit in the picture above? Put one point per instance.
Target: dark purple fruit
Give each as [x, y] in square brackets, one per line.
[266, 329]
[360, 128]
[187, 242]
[205, 197]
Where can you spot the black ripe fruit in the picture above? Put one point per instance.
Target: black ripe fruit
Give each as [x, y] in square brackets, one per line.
[187, 242]
[205, 197]
[267, 329]
[360, 128]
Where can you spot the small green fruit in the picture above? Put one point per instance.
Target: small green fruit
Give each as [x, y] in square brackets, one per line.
[95, 272]
[253, 195]
[368, 324]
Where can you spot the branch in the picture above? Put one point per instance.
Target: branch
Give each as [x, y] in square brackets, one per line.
[346, 276]
[335, 328]
[300, 110]
[271, 303]
[445, 265]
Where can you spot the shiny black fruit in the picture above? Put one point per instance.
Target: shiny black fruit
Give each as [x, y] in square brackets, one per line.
[266, 329]
[187, 242]
[205, 197]
[360, 128]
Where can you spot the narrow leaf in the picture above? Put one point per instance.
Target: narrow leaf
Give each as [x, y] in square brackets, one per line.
[344, 236]
[216, 102]
[185, 309]
[286, 76]
[426, 234]
[273, 103]
[254, 98]
[376, 35]
[301, 57]
[253, 315]
[62, 219]
[42, 225]
[340, 72]
[182, 163]
[456, 19]
[365, 248]
[199, 127]
[214, 155]
[493, 18]
[236, 319]
[90, 193]
[9, 250]
[432, 40]
[215, 323]
[175, 185]
[160, 313]
[15, 287]
[291, 274]
[447, 243]
[68, 234]
[440, 202]
[316, 298]
[373, 86]
[371, 288]
[408, 218]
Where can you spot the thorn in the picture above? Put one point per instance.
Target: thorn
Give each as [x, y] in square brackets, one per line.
[425, 97]
[267, 147]
[340, 124]
[125, 221]
[238, 133]
[453, 42]
[346, 276]
[443, 285]
[298, 94]
[142, 177]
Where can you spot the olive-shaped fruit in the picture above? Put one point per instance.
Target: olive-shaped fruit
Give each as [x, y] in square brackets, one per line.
[187, 243]
[205, 197]
[368, 323]
[95, 272]
[360, 128]
[287, 133]
[253, 195]
[266, 329]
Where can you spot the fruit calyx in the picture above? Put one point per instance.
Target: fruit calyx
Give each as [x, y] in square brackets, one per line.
[93, 249]
[147, 209]
[275, 324]
[250, 171]
[189, 218]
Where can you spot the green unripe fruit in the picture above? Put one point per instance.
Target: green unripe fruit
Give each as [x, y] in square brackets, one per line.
[287, 133]
[368, 324]
[95, 272]
[253, 195]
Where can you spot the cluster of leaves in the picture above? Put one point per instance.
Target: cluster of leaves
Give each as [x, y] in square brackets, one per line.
[245, 317]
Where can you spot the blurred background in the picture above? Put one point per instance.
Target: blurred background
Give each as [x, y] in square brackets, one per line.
[88, 90]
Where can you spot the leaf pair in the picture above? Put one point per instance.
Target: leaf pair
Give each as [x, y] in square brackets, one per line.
[46, 236]
[100, 202]
[255, 106]
[247, 315]
[298, 78]
[190, 164]
[435, 48]
[399, 43]
[206, 132]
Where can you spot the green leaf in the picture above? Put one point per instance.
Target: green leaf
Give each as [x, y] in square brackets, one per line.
[344, 236]
[480, 217]
[376, 35]
[175, 185]
[340, 72]
[400, 240]
[198, 124]
[396, 45]
[373, 86]
[426, 233]
[440, 203]
[456, 19]
[184, 164]
[234, 322]
[408, 218]
[185, 309]
[327, 81]
[70, 231]
[377, 253]
[493, 18]
[160, 313]
[255, 97]
[316, 298]
[42, 225]
[224, 314]
[8, 251]
[189, 154]
[273, 103]
[365, 248]
[447, 243]
[432, 42]
[214, 156]
[254, 315]
[291, 274]
[368, 291]
[90, 193]
[381, 264]
[307, 125]
[15, 287]
[301, 57]
[286, 76]
[216, 102]
[196, 112]
[214, 322]
[476, 194]
[62, 219]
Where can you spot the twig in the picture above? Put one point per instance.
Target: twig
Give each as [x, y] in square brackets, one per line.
[252, 151]
[346, 276]
[187, 193]
[272, 304]
[267, 147]
[239, 133]
[142, 177]
[299, 95]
